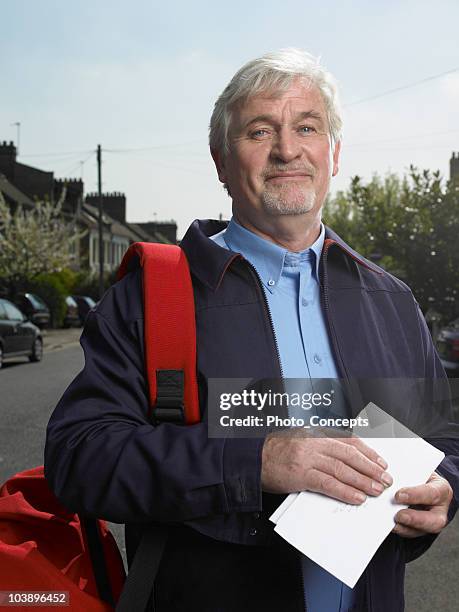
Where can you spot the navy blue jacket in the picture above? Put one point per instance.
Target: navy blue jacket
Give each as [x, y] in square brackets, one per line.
[104, 458]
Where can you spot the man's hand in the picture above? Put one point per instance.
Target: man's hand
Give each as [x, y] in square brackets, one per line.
[431, 501]
[342, 468]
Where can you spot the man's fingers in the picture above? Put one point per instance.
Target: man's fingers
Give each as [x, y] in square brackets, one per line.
[370, 453]
[431, 494]
[329, 485]
[347, 475]
[426, 521]
[407, 532]
[351, 455]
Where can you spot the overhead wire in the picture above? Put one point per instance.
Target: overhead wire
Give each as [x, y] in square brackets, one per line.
[55, 154]
[401, 88]
[128, 150]
[80, 164]
[446, 146]
[403, 139]
[154, 147]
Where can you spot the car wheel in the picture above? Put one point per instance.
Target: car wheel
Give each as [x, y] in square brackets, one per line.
[37, 350]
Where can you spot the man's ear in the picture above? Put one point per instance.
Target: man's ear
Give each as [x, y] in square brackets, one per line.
[336, 153]
[219, 164]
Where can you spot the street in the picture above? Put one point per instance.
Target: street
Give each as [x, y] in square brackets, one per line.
[28, 394]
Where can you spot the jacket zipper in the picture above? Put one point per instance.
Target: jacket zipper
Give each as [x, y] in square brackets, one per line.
[327, 308]
[305, 605]
[265, 301]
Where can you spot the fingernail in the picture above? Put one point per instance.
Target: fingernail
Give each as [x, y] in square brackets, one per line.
[382, 463]
[403, 497]
[406, 519]
[360, 497]
[386, 479]
[376, 486]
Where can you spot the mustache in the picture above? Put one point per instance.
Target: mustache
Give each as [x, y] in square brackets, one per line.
[302, 169]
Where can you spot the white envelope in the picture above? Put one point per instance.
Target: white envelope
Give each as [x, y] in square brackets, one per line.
[343, 538]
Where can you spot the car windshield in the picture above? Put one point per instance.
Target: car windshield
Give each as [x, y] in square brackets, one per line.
[36, 301]
[90, 301]
[70, 301]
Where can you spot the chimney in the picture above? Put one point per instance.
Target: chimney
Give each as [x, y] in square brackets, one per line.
[454, 167]
[74, 193]
[7, 159]
[114, 204]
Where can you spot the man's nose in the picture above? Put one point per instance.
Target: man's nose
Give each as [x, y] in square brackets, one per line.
[286, 145]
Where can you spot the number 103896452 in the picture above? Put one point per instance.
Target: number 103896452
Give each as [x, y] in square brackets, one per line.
[34, 598]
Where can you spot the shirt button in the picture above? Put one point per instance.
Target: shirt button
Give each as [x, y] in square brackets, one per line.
[304, 301]
[256, 515]
[317, 358]
[253, 532]
[271, 282]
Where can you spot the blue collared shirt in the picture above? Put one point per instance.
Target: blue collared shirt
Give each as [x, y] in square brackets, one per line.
[291, 284]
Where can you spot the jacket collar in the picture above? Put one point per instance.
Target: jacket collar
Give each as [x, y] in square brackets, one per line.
[208, 261]
[331, 238]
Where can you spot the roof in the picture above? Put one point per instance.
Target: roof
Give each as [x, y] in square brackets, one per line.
[91, 217]
[147, 236]
[13, 194]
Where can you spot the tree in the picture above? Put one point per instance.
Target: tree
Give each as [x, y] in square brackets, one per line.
[410, 227]
[33, 242]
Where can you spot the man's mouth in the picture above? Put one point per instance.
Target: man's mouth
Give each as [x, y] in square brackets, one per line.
[288, 176]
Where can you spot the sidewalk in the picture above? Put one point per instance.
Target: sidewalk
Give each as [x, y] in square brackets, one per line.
[54, 339]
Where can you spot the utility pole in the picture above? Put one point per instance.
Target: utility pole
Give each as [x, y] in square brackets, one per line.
[101, 227]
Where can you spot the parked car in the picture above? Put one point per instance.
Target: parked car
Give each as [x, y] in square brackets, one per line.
[18, 336]
[85, 303]
[72, 317]
[34, 308]
[448, 348]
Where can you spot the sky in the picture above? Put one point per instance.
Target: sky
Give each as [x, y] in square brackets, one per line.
[141, 78]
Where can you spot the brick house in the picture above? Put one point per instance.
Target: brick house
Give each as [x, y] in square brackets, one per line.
[21, 185]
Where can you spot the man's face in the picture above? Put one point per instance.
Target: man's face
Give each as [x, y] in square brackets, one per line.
[281, 158]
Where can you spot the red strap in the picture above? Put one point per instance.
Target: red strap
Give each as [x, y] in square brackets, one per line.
[169, 319]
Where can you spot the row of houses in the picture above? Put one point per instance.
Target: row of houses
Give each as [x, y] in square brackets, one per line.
[21, 185]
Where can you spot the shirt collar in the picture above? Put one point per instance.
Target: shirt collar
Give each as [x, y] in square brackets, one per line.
[269, 258]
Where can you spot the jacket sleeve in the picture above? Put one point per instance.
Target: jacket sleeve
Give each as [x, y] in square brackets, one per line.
[449, 467]
[104, 458]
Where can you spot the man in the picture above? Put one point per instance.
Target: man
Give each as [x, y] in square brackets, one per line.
[277, 296]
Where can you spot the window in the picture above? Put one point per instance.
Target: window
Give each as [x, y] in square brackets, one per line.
[13, 313]
[36, 301]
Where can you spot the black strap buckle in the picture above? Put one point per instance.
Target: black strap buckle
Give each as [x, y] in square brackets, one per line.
[169, 408]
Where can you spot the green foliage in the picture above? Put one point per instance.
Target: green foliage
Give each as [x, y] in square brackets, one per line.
[410, 227]
[67, 278]
[53, 291]
[89, 284]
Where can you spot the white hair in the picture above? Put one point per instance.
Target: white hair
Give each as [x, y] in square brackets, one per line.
[274, 72]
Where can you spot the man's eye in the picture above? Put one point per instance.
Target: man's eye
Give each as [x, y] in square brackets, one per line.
[307, 129]
[260, 133]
